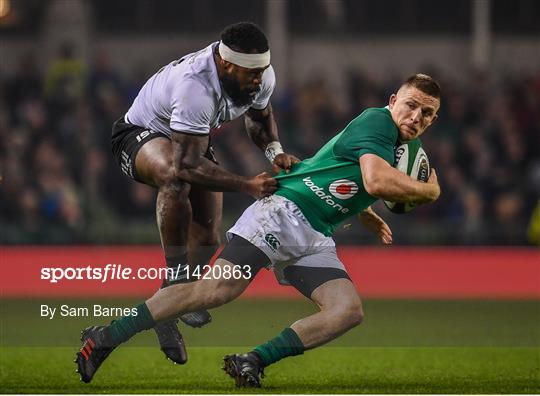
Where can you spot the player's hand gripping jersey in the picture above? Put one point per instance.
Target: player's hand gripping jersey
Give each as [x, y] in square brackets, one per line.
[186, 96]
[328, 187]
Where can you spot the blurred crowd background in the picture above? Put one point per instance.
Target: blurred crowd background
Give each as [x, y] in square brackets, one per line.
[60, 183]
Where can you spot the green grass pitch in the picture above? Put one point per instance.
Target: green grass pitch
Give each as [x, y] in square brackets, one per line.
[404, 346]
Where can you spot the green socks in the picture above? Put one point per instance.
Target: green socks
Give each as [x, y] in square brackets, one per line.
[287, 343]
[123, 329]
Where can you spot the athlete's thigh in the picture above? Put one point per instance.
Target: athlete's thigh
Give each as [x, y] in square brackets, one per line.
[336, 293]
[232, 272]
[142, 154]
[153, 162]
[207, 207]
[222, 283]
[312, 270]
[245, 255]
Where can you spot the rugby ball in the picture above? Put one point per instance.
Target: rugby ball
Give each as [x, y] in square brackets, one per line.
[410, 158]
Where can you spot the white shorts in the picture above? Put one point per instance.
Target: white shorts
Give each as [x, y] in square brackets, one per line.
[277, 227]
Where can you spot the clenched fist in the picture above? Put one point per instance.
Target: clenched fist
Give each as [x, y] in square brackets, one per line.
[284, 162]
[261, 186]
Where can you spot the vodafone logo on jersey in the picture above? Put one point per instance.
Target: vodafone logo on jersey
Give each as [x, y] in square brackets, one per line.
[343, 189]
[327, 198]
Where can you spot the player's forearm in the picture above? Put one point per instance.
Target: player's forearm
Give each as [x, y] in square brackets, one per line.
[262, 128]
[191, 166]
[392, 185]
[207, 174]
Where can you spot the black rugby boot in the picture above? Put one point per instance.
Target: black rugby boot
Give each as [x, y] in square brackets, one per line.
[95, 349]
[246, 369]
[171, 341]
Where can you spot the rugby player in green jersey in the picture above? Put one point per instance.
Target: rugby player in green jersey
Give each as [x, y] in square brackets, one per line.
[290, 233]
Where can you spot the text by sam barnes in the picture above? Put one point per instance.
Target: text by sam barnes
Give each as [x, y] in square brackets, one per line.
[65, 311]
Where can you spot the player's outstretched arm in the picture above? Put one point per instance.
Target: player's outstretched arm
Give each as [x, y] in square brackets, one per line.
[262, 129]
[373, 222]
[383, 181]
[190, 165]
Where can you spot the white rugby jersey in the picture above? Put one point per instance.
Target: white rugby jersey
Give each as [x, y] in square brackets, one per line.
[186, 96]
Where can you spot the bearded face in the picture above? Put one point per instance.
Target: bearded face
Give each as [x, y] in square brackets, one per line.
[241, 94]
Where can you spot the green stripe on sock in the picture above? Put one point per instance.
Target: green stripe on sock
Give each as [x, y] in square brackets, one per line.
[287, 343]
[121, 330]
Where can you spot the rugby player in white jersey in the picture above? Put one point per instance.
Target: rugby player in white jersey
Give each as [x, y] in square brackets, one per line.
[290, 233]
[163, 141]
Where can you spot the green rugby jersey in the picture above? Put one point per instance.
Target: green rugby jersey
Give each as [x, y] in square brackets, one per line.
[328, 187]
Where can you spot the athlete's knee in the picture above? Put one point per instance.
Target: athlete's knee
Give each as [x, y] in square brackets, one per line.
[349, 313]
[206, 235]
[209, 237]
[356, 315]
[210, 294]
[205, 227]
[224, 291]
[218, 297]
[170, 184]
